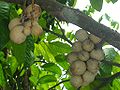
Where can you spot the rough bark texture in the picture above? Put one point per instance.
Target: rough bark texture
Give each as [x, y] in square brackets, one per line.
[78, 18]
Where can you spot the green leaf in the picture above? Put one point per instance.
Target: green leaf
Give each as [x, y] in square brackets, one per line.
[116, 84]
[97, 4]
[110, 54]
[62, 61]
[114, 1]
[4, 33]
[34, 80]
[47, 79]
[59, 47]
[68, 86]
[72, 2]
[52, 68]
[51, 37]
[24, 52]
[13, 64]
[4, 10]
[2, 78]
[35, 70]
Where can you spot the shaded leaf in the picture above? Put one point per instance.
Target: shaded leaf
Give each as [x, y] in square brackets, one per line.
[97, 4]
[2, 78]
[47, 79]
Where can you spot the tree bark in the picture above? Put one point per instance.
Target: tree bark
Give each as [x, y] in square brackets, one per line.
[78, 18]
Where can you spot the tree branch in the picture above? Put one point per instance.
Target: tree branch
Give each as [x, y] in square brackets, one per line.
[58, 84]
[78, 18]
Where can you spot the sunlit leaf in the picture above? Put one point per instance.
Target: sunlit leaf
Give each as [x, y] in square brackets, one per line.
[47, 79]
[52, 68]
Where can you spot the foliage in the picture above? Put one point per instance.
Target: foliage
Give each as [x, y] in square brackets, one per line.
[44, 59]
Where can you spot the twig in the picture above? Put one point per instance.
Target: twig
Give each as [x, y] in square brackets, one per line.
[58, 84]
[60, 36]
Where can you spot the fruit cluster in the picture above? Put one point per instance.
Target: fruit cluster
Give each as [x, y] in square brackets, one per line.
[84, 59]
[19, 29]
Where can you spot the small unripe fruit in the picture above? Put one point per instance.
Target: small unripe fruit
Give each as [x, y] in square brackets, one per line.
[37, 29]
[78, 67]
[17, 36]
[97, 54]
[92, 65]
[76, 81]
[72, 57]
[77, 46]
[81, 35]
[94, 38]
[88, 45]
[14, 22]
[88, 77]
[83, 56]
[35, 11]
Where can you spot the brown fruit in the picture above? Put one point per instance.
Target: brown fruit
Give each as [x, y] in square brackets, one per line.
[72, 57]
[78, 67]
[88, 45]
[92, 65]
[81, 35]
[27, 30]
[97, 54]
[77, 46]
[37, 29]
[83, 56]
[94, 38]
[35, 12]
[14, 22]
[16, 35]
[76, 81]
[88, 77]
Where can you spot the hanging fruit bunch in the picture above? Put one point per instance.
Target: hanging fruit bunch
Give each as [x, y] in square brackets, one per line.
[84, 59]
[20, 28]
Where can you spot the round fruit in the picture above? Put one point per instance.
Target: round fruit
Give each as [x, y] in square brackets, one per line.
[94, 38]
[88, 45]
[76, 81]
[77, 46]
[27, 30]
[72, 57]
[17, 36]
[88, 77]
[35, 11]
[37, 29]
[14, 22]
[92, 65]
[81, 35]
[97, 54]
[78, 67]
[83, 56]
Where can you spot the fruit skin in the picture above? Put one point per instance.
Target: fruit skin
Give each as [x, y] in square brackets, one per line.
[77, 46]
[27, 30]
[37, 29]
[14, 22]
[94, 39]
[71, 57]
[78, 68]
[83, 56]
[81, 35]
[76, 81]
[88, 45]
[97, 54]
[88, 77]
[36, 11]
[17, 36]
[92, 65]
